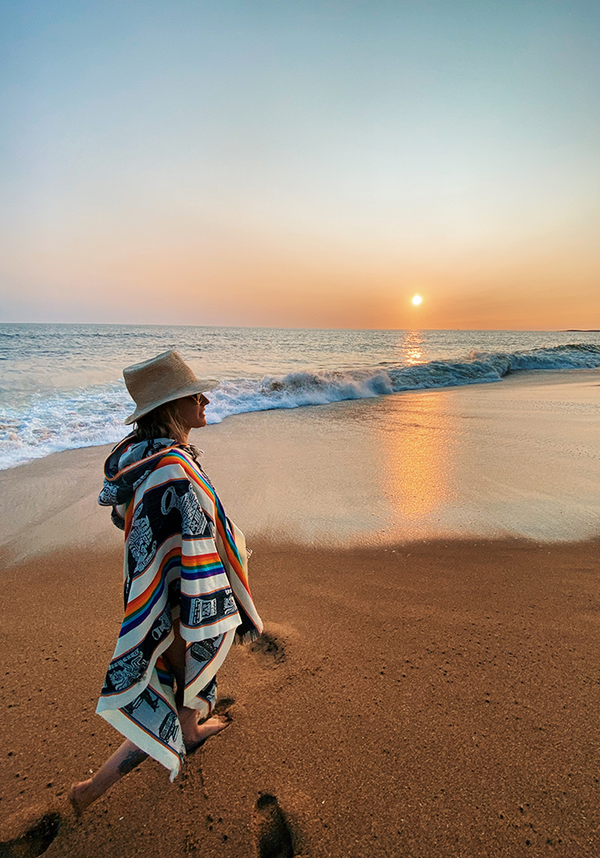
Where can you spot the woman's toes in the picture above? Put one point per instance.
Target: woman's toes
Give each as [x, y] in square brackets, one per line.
[203, 731]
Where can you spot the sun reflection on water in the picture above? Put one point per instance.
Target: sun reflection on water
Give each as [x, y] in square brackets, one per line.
[411, 347]
[417, 446]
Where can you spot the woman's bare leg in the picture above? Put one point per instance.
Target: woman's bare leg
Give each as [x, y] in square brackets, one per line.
[128, 755]
[123, 761]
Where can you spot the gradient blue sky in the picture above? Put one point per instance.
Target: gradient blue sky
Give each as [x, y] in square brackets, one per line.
[301, 163]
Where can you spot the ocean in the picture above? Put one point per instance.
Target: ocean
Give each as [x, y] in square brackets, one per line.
[61, 385]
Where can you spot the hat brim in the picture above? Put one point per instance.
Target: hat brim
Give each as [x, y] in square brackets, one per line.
[199, 386]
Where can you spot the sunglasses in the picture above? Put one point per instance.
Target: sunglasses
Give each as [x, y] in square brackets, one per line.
[200, 398]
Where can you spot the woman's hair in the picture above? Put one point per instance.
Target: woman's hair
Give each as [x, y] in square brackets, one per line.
[162, 422]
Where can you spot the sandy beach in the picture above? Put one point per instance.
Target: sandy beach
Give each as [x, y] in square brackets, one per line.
[320, 280]
[428, 681]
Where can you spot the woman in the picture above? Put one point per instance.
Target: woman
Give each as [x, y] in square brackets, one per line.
[185, 580]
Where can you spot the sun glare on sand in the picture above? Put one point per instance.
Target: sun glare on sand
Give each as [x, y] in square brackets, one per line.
[416, 300]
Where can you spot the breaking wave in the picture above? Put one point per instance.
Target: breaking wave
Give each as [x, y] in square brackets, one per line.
[319, 388]
[63, 420]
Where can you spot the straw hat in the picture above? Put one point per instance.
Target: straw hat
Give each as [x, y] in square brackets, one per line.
[161, 379]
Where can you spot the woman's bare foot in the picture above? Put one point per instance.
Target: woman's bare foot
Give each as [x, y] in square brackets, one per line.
[196, 734]
[81, 795]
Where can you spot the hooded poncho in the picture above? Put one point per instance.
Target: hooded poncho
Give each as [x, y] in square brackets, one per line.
[184, 559]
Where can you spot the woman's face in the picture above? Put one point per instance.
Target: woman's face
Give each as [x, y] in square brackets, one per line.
[191, 410]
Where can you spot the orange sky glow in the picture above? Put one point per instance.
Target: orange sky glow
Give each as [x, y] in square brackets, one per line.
[253, 179]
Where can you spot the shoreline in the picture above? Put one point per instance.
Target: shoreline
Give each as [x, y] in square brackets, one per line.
[512, 378]
[519, 459]
[432, 698]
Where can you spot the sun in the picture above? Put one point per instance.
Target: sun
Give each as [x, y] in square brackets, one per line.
[416, 299]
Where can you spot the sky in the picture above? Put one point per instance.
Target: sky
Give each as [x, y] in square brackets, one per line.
[295, 163]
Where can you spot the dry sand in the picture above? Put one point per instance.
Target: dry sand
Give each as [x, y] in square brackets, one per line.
[436, 699]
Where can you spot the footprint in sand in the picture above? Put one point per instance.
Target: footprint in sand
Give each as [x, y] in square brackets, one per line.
[35, 837]
[271, 830]
[269, 646]
[223, 706]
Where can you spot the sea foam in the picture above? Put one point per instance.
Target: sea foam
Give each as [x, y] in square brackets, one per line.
[67, 419]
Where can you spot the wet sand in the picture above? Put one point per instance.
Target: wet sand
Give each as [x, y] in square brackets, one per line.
[519, 458]
[428, 682]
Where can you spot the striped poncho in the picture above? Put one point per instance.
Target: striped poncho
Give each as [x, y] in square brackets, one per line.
[184, 559]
